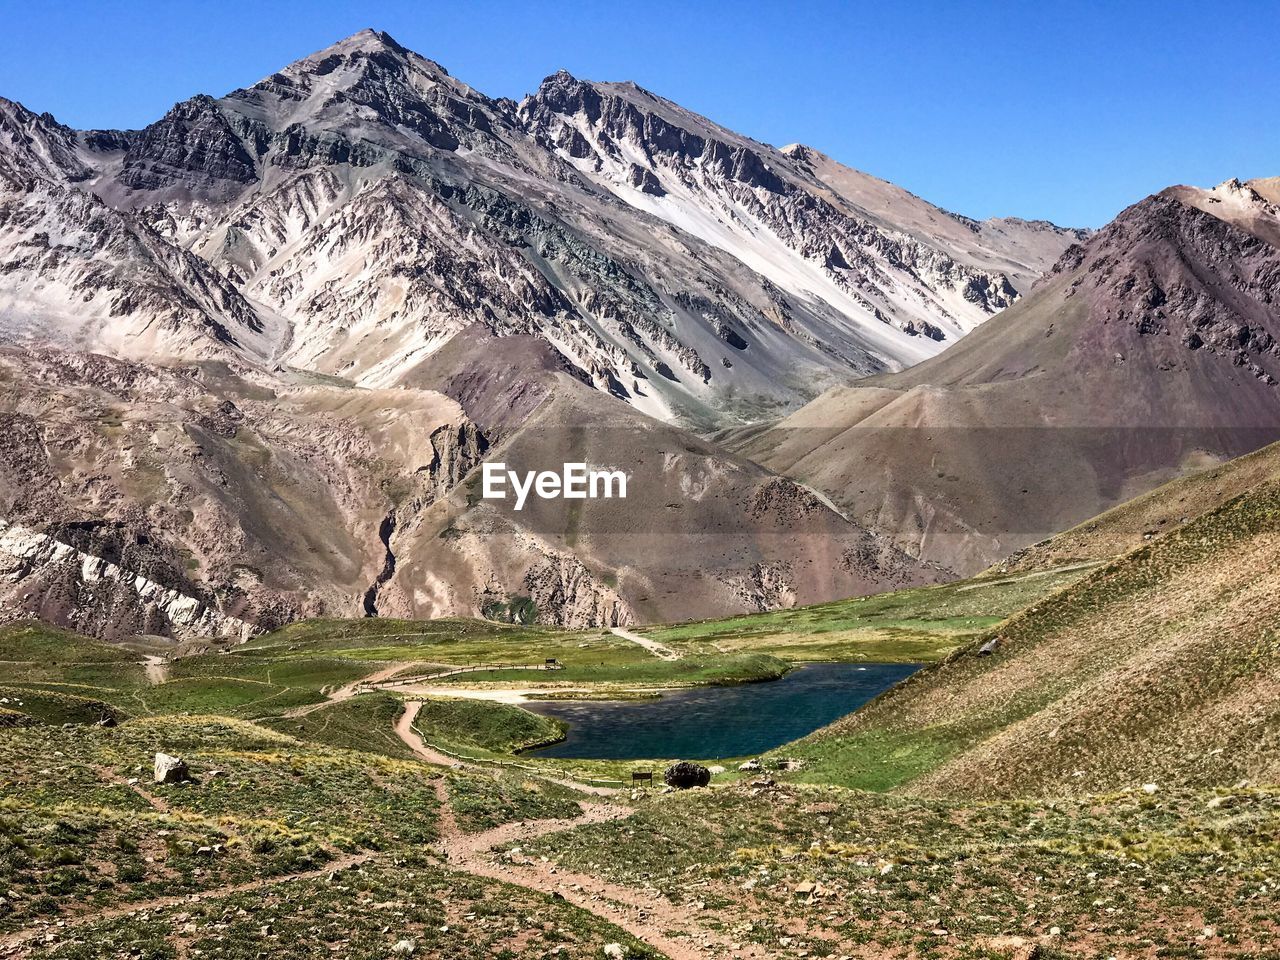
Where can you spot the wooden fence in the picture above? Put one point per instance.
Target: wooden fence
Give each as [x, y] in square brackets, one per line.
[453, 672]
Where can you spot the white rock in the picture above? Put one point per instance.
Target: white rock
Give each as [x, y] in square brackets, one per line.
[170, 769]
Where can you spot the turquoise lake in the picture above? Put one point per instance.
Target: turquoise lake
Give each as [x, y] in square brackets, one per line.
[713, 723]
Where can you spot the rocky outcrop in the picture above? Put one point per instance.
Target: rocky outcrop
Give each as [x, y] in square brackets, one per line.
[764, 586]
[685, 775]
[43, 576]
[567, 593]
[34, 148]
[456, 451]
[194, 144]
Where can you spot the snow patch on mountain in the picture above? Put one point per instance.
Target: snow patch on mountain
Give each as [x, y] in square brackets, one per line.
[353, 212]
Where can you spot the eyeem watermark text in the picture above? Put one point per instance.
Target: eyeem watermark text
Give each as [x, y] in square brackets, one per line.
[574, 482]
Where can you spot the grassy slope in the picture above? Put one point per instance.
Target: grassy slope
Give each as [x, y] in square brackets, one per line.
[481, 802]
[1131, 524]
[907, 626]
[233, 685]
[57, 707]
[692, 670]
[447, 641]
[591, 656]
[30, 642]
[1180, 874]
[74, 839]
[465, 726]
[363, 723]
[1163, 666]
[63, 677]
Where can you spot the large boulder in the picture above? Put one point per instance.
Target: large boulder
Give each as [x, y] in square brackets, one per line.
[684, 775]
[171, 769]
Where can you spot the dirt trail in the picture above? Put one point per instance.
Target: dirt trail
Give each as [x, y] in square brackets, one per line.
[156, 668]
[659, 650]
[156, 803]
[424, 751]
[9, 942]
[349, 691]
[1034, 575]
[405, 731]
[645, 914]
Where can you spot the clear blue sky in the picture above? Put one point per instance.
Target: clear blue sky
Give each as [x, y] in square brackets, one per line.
[1063, 110]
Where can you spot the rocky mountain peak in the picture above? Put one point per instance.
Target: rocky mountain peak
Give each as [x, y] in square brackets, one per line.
[1169, 305]
[366, 89]
[1163, 218]
[1166, 270]
[563, 93]
[1252, 205]
[366, 47]
[194, 147]
[34, 145]
[798, 152]
[371, 41]
[665, 133]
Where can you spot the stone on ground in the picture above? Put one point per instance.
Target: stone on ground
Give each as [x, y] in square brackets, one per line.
[171, 769]
[684, 775]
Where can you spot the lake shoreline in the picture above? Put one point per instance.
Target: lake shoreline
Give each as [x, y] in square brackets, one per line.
[550, 693]
[715, 722]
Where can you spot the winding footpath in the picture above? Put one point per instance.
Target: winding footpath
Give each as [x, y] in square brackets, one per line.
[424, 751]
[659, 650]
[645, 914]
[410, 738]
[349, 691]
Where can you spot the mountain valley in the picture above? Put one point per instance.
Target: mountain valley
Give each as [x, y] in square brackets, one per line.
[926, 610]
[256, 351]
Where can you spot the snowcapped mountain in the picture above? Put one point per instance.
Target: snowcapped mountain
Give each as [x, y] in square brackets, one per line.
[353, 212]
[255, 354]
